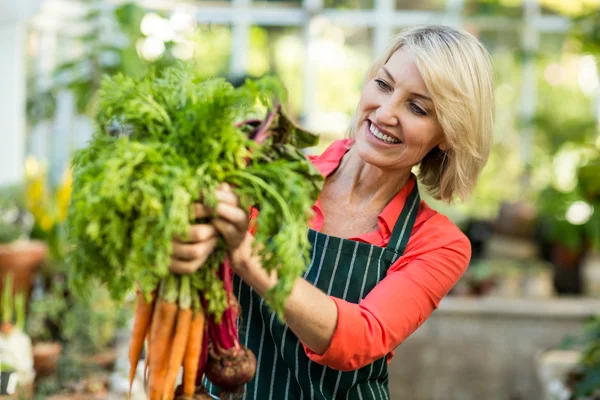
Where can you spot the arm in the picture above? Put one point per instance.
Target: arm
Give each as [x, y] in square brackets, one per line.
[394, 309]
[310, 313]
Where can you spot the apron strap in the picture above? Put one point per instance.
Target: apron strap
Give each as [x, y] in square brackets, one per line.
[406, 221]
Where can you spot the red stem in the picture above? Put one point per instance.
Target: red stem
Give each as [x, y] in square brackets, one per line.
[224, 335]
[263, 132]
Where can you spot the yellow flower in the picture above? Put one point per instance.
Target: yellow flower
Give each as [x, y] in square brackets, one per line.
[46, 222]
[63, 196]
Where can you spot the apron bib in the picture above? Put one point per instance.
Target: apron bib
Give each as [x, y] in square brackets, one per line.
[341, 268]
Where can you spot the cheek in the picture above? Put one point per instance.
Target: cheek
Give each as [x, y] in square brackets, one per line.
[423, 134]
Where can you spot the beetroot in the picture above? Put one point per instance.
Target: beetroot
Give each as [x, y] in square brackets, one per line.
[231, 368]
[230, 365]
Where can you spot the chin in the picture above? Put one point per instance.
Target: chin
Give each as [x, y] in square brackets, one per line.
[369, 154]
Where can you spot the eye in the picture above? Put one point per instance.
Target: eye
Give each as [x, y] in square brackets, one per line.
[416, 109]
[382, 84]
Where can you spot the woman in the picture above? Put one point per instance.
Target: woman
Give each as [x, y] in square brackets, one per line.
[381, 258]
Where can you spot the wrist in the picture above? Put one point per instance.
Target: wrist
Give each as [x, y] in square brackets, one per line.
[247, 265]
[240, 256]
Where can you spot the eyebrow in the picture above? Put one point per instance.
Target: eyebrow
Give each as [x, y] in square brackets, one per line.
[419, 95]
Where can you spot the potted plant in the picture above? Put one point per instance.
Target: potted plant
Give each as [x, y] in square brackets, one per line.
[15, 344]
[19, 255]
[582, 379]
[589, 184]
[47, 308]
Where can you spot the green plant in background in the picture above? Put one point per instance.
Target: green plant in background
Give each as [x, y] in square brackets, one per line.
[586, 377]
[570, 207]
[108, 46]
[91, 323]
[47, 310]
[15, 221]
[12, 307]
[86, 324]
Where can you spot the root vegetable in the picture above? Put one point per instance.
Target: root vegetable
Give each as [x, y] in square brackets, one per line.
[143, 317]
[192, 364]
[230, 365]
[161, 336]
[180, 339]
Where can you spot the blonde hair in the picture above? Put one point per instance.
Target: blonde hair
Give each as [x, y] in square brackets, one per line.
[458, 74]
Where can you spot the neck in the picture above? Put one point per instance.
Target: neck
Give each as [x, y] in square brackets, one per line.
[367, 183]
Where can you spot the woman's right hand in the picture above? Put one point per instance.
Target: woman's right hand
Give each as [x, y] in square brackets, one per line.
[189, 255]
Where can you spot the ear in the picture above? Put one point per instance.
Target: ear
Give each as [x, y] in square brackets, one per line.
[443, 146]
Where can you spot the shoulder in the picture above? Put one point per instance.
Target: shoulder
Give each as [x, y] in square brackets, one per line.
[435, 236]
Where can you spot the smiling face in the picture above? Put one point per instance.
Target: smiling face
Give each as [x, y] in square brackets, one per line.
[397, 125]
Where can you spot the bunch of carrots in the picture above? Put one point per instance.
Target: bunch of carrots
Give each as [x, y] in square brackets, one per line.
[172, 323]
[174, 326]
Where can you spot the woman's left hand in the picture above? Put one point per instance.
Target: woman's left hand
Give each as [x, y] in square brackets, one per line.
[232, 221]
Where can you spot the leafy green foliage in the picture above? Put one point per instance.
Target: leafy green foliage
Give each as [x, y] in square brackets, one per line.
[165, 141]
[588, 383]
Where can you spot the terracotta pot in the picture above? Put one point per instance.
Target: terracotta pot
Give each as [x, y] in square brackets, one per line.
[516, 219]
[567, 269]
[69, 396]
[45, 357]
[105, 359]
[22, 259]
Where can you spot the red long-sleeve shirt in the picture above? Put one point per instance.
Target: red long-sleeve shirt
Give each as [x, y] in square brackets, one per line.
[436, 256]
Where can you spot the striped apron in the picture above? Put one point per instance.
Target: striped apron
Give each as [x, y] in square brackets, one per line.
[341, 268]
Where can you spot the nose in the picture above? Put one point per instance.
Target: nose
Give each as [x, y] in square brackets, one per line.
[386, 114]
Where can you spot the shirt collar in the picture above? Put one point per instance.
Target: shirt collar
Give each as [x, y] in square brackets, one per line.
[330, 159]
[389, 216]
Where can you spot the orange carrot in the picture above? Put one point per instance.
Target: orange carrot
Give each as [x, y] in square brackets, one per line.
[194, 348]
[147, 361]
[143, 314]
[182, 330]
[163, 323]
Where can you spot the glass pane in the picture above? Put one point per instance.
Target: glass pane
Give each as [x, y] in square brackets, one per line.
[493, 8]
[279, 50]
[567, 82]
[212, 48]
[349, 4]
[342, 57]
[498, 39]
[285, 3]
[435, 5]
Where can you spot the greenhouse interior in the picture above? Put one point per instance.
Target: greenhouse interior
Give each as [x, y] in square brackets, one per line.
[521, 323]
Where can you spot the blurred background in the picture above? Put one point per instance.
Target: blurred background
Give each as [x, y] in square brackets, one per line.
[523, 322]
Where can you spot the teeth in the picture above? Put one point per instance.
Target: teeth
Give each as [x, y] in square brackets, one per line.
[382, 136]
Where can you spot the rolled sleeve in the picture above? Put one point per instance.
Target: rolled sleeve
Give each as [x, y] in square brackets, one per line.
[340, 353]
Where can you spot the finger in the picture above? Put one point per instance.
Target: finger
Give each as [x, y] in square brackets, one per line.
[234, 215]
[224, 186]
[228, 230]
[183, 267]
[179, 266]
[227, 196]
[196, 251]
[201, 211]
[202, 232]
[199, 233]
